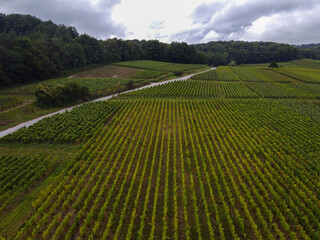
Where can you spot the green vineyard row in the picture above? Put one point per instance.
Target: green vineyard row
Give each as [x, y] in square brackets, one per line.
[189, 169]
[17, 174]
[78, 125]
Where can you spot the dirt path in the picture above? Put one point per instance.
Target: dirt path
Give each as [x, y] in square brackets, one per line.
[31, 122]
[18, 106]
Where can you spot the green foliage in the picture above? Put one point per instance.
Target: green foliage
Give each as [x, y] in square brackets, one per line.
[130, 84]
[219, 74]
[198, 89]
[222, 52]
[310, 109]
[8, 102]
[75, 126]
[273, 64]
[160, 66]
[17, 174]
[60, 94]
[149, 74]
[200, 168]
[209, 75]
[232, 63]
[305, 75]
[275, 90]
[178, 72]
[307, 63]
[32, 50]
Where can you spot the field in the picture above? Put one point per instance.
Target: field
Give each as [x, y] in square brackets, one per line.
[18, 103]
[229, 154]
[107, 72]
[149, 74]
[160, 66]
[301, 63]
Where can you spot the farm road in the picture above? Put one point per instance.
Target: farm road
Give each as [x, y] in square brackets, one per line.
[31, 122]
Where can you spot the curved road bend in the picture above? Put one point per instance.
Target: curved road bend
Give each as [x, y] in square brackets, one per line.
[31, 122]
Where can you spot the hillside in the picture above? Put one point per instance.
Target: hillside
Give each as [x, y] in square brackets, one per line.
[33, 50]
[19, 104]
[232, 153]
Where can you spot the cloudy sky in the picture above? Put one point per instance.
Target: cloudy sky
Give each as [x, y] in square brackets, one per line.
[191, 21]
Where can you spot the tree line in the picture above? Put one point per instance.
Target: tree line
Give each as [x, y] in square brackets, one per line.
[33, 50]
[222, 52]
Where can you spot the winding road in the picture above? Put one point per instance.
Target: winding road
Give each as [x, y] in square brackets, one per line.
[31, 122]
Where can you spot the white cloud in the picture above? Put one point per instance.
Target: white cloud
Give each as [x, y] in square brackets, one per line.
[192, 21]
[88, 16]
[138, 15]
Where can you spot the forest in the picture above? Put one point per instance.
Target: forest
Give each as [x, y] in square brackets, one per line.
[33, 50]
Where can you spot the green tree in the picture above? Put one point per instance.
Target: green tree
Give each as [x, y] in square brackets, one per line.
[273, 64]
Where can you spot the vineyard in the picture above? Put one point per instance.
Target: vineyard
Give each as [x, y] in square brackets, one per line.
[186, 89]
[221, 74]
[17, 174]
[148, 74]
[77, 125]
[301, 63]
[232, 153]
[189, 169]
[310, 109]
[309, 76]
[160, 66]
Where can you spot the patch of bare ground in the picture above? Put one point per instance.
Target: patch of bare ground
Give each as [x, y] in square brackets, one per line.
[107, 72]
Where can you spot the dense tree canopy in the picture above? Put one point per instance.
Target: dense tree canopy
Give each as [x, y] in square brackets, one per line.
[60, 94]
[31, 50]
[221, 53]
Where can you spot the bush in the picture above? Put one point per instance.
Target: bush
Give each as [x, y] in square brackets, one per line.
[130, 84]
[60, 94]
[177, 72]
[273, 64]
[232, 64]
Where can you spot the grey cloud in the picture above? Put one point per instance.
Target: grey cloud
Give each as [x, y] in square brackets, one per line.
[160, 36]
[230, 20]
[93, 20]
[203, 13]
[292, 30]
[239, 17]
[190, 36]
[156, 25]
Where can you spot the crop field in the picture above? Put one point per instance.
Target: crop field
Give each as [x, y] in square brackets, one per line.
[261, 75]
[308, 108]
[178, 89]
[19, 173]
[77, 125]
[230, 154]
[209, 75]
[308, 76]
[200, 89]
[220, 74]
[107, 72]
[301, 63]
[94, 84]
[307, 63]
[148, 74]
[277, 90]
[189, 169]
[143, 64]
[160, 66]
[275, 76]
